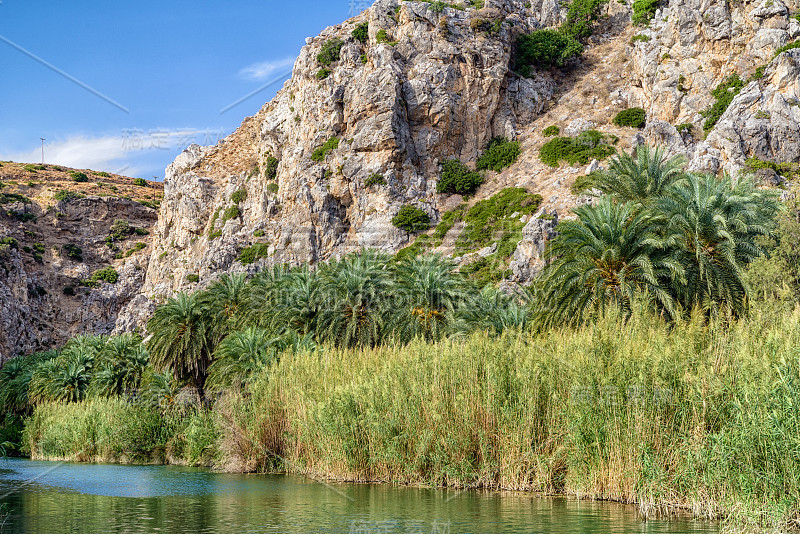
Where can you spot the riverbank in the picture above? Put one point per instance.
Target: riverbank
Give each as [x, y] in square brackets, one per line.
[697, 416]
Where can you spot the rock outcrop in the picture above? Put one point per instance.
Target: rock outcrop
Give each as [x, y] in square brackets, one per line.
[44, 259]
[429, 84]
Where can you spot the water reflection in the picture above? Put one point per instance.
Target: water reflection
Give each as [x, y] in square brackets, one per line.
[108, 498]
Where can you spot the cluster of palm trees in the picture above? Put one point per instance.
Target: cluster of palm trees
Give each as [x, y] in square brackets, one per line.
[219, 337]
[656, 233]
[680, 240]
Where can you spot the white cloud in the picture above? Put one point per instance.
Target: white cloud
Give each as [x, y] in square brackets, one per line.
[130, 153]
[267, 69]
[78, 152]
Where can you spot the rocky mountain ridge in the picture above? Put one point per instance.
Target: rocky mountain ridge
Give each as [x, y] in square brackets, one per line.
[58, 227]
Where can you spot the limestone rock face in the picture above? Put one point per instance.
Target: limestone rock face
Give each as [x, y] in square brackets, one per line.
[529, 256]
[690, 47]
[42, 300]
[763, 120]
[428, 85]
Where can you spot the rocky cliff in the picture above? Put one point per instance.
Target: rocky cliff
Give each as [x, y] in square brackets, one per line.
[55, 234]
[321, 169]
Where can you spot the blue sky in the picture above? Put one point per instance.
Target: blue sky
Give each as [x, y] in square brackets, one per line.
[174, 65]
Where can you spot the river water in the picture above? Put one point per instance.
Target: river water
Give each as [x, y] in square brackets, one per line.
[65, 497]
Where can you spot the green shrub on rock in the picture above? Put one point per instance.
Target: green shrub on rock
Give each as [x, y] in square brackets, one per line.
[545, 49]
[644, 11]
[633, 117]
[499, 154]
[589, 145]
[411, 219]
[361, 33]
[458, 178]
[330, 52]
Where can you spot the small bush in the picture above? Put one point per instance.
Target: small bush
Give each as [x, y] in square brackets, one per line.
[411, 219]
[193, 278]
[375, 179]
[323, 73]
[589, 145]
[103, 174]
[581, 16]
[364, 59]
[11, 242]
[134, 249]
[254, 253]
[457, 178]
[106, 274]
[239, 196]
[271, 168]
[383, 37]
[79, 177]
[550, 131]
[361, 33]
[272, 188]
[640, 38]
[322, 152]
[141, 182]
[545, 49]
[69, 291]
[230, 213]
[29, 168]
[724, 94]
[644, 11]
[685, 128]
[633, 117]
[499, 154]
[65, 196]
[786, 47]
[258, 233]
[330, 52]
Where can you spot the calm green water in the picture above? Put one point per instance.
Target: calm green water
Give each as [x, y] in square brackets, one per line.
[53, 497]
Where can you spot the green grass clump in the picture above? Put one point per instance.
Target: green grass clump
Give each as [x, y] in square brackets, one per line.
[322, 152]
[411, 219]
[361, 32]
[193, 278]
[382, 36]
[272, 188]
[103, 174]
[29, 168]
[230, 213]
[458, 178]
[213, 233]
[499, 154]
[787, 47]
[489, 217]
[685, 128]
[239, 196]
[253, 253]
[589, 145]
[138, 247]
[448, 220]
[271, 168]
[65, 196]
[323, 73]
[8, 198]
[374, 179]
[106, 274]
[79, 177]
[552, 130]
[723, 94]
[644, 11]
[632, 117]
[330, 52]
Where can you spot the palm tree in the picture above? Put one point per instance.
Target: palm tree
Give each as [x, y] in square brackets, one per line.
[122, 364]
[181, 340]
[639, 178]
[63, 379]
[239, 356]
[225, 304]
[263, 296]
[356, 288]
[160, 390]
[426, 294]
[493, 311]
[602, 259]
[712, 224]
[15, 378]
[297, 306]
